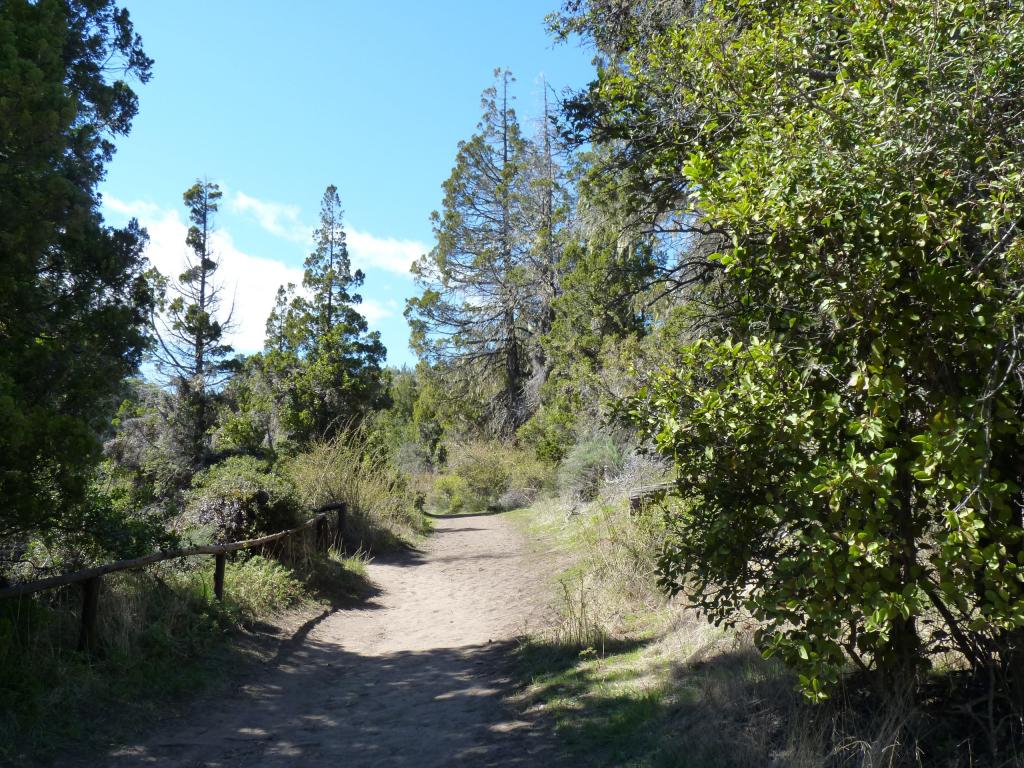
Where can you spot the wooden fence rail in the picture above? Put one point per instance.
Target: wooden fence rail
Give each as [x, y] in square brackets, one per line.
[89, 578]
[648, 494]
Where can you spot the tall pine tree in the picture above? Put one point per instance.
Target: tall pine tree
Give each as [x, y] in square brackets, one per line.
[327, 363]
[192, 353]
[476, 312]
[73, 299]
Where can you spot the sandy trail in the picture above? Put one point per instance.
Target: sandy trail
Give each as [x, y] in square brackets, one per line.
[414, 677]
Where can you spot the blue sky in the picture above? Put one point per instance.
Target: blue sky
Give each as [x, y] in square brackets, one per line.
[274, 102]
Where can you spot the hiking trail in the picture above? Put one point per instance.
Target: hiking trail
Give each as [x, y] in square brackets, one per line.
[414, 676]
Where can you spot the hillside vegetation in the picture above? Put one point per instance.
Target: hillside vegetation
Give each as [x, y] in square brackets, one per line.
[771, 256]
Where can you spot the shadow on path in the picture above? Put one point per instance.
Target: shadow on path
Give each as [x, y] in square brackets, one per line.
[410, 677]
[411, 708]
[458, 515]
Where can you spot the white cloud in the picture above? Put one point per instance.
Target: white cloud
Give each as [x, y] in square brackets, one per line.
[366, 251]
[251, 280]
[136, 208]
[373, 311]
[278, 219]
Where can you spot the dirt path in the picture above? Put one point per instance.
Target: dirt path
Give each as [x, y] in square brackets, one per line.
[413, 677]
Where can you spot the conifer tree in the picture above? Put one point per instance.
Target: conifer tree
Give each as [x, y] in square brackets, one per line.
[342, 378]
[477, 306]
[329, 277]
[326, 362]
[549, 204]
[73, 298]
[192, 353]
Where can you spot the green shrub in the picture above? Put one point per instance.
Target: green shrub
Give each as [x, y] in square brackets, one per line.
[383, 509]
[485, 469]
[242, 431]
[529, 473]
[485, 475]
[550, 432]
[451, 492]
[587, 465]
[259, 586]
[240, 498]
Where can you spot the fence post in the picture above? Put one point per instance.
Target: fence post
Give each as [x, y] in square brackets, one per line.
[322, 540]
[218, 575]
[340, 526]
[90, 602]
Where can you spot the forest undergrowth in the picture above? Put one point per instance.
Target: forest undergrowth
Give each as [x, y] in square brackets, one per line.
[631, 677]
[163, 636]
[163, 639]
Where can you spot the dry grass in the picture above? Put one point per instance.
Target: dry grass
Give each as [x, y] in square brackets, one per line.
[631, 678]
[382, 502]
[610, 577]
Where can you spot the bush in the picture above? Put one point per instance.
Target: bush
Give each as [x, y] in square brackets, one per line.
[486, 471]
[587, 465]
[479, 473]
[260, 587]
[383, 509]
[451, 492]
[530, 474]
[550, 432]
[486, 475]
[241, 498]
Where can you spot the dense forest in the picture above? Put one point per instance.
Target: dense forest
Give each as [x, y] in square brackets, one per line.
[767, 260]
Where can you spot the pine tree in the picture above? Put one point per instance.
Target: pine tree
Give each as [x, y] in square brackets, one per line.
[342, 378]
[550, 206]
[329, 277]
[192, 353]
[326, 363]
[73, 297]
[477, 309]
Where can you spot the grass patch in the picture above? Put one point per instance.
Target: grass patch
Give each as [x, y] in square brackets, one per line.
[383, 509]
[683, 695]
[630, 678]
[599, 702]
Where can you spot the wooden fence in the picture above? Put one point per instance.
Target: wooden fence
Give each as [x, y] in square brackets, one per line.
[649, 494]
[90, 578]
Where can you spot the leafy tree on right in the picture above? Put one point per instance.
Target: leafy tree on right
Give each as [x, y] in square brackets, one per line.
[848, 445]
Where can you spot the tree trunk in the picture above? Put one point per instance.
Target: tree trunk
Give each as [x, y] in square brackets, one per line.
[513, 376]
[901, 662]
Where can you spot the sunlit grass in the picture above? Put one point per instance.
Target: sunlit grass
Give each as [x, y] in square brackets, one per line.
[630, 678]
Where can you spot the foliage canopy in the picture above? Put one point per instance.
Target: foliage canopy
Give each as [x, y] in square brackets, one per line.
[849, 441]
[73, 296]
